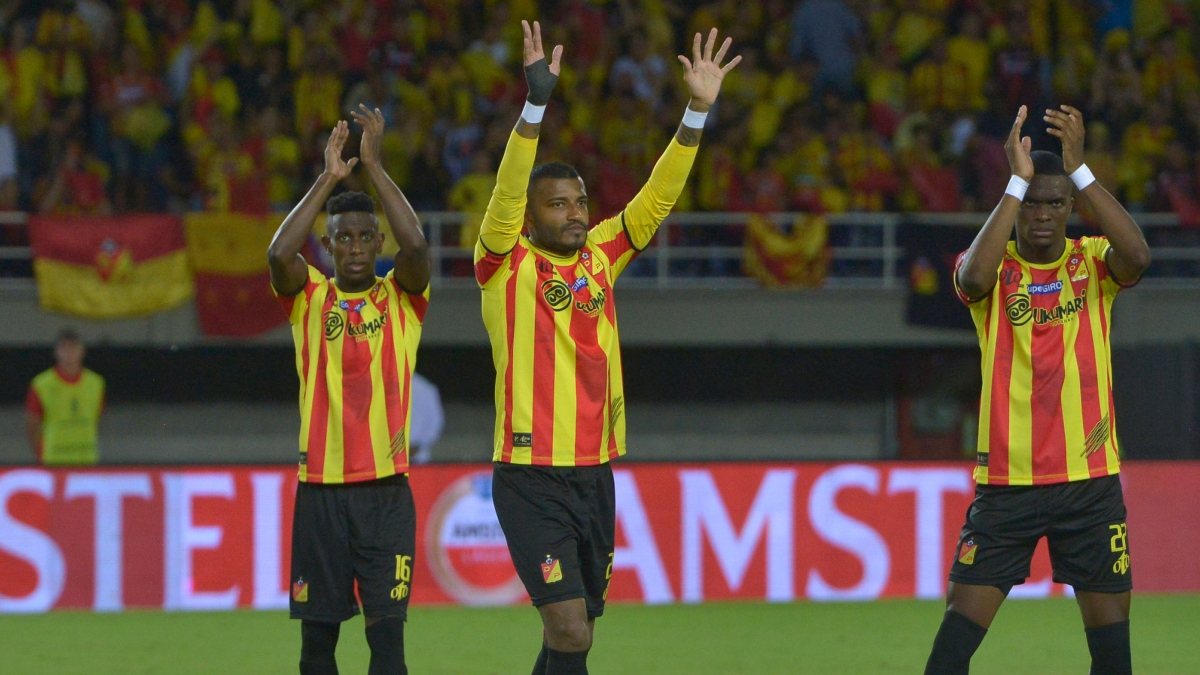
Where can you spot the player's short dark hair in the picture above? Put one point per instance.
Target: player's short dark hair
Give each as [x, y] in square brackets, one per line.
[67, 335]
[552, 170]
[350, 202]
[1046, 163]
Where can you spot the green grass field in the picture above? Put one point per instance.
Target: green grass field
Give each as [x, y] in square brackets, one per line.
[1043, 636]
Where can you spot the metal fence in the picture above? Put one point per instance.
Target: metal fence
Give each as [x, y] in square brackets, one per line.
[705, 250]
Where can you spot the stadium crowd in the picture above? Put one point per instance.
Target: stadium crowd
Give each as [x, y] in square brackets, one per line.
[862, 105]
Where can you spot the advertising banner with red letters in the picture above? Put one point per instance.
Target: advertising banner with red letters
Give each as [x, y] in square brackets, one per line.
[217, 537]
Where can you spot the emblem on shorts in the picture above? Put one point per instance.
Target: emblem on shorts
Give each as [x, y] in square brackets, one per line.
[300, 590]
[966, 554]
[522, 440]
[551, 570]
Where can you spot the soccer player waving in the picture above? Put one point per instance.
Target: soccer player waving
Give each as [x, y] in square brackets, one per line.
[547, 281]
[1048, 458]
[356, 343]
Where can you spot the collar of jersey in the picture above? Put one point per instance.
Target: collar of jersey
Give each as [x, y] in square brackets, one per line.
[562, 260]
[1041, 266]
[355, 295]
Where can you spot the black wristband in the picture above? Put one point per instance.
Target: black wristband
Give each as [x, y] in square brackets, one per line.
[541, 82]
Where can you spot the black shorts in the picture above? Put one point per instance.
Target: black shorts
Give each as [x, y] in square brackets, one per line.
[364, 532]
[560, 524]
[1083, 522]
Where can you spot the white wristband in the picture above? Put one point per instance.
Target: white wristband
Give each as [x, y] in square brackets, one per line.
[1082, 177]
[1017, 187]
[693, 119]
[533, 113]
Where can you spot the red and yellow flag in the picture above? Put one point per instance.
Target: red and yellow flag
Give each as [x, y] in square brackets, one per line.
[233, 284]
[110, 267]
[787, 260]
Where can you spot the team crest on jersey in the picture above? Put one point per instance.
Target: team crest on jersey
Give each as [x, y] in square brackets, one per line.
[551, 570]
[1081, 275]
[966, 554]
[300, 590]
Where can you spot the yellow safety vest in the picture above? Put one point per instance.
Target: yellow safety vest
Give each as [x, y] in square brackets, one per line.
[71, 414]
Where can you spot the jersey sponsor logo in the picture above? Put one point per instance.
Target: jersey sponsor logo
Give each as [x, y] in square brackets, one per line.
[367, 329]
[300, 590]
[1053, 316]
[334, 324]
[545, 267]
[303, 458]
[1010, 276]
[579, 283]
[1045, 289]
[1119, 544]
[1097, 437]
[551, 570]
[467, 551]
[522, 440]
[1017, 308]
[594, 306]
[981, 458]
[557, 294]
[966, 554]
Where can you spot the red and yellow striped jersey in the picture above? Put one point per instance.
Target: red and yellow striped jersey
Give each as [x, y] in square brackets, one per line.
[1046, 410]
[355, 354]
[552, 320]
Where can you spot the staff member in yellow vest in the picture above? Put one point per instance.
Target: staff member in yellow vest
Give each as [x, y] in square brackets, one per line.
[62, 409]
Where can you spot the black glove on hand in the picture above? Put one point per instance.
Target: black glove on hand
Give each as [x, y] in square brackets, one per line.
[541, 82]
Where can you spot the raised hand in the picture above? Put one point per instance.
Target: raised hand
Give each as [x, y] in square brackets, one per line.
[1068, 128]
[1018, 148]
[539, 75]
[334, 164]
[371, 122]
[704, 73]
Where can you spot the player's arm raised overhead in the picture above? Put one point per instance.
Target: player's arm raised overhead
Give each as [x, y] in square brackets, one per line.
[505, 215]
[412, 260]
[289, 271]
[980, 267]
[703, 75]
[1130, 255]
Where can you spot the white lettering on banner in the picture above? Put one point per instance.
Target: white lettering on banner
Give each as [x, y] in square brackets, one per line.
[181, 537]
[31, 544]
[930, 485]
[108, 490]
[269, 587]
[772, 514]
[847, 534]
[641, 554]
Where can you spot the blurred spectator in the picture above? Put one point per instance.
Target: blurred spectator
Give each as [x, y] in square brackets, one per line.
[639, 71]
[470, 196]
[8, 160]
[427, 419]
[831, 34]
[133, 100]
[80, 183]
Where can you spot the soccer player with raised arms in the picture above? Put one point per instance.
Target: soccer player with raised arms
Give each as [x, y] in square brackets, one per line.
[356, 341]
[1048, 458]
[547, 282]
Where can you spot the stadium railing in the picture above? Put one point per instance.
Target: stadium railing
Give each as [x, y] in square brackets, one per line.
[705, 250]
